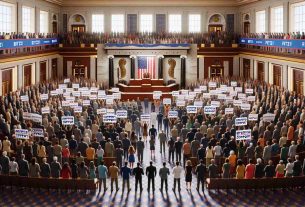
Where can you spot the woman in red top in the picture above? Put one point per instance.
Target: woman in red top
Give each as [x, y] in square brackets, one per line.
[66, 171]
[250, 170]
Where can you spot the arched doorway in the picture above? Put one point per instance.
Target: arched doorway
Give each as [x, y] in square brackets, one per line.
[246, 20]
[54, 23]
[216, 23]
[77, 23]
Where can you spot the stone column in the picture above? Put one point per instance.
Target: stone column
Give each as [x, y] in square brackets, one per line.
[111, 72]
[132, 66]
[160, 66]
[183, 60]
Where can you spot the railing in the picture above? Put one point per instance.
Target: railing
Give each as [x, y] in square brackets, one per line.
[297, 44]
[21, 43]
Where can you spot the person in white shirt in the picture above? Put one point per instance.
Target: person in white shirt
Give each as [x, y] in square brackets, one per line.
[128, 127]
[13, 166]
[289, 168]
[217, 153]
[99, 154]
[177, 170]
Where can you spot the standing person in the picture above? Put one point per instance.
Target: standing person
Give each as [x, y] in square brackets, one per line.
[109, 148]
[23, 166]
[186, 151]
[240, 169]
[151, 172]
[114, 174]
[119, 156]
[178, 149]
[126, 172]
[140, 149]
[153, 131]
[133, 140]
[126, 144]
[213, 169]
[145, 131]
[92, 170]
[45, 168]
[138, 172]
[152, 145]
[160, 118]
[289, 168]
[188, 175]
[55, 168]
[66, 171]
[102, 175]
[34, 170]
[200, 172]
[226, 169]
[280, 169]
[297, 167]
[166, 125]
[99, 154]
[163, 173]
[162, 139]
[131, 159]
[74, 169]
[269, 170]
[171, 149]
[250, 170]
[177, 170]
[13, 166]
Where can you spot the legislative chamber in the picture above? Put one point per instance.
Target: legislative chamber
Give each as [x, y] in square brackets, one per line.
[152, 103]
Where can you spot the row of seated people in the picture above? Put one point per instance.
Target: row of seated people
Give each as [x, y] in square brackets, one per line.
[15, 35]
[199, 135]
[286, 36]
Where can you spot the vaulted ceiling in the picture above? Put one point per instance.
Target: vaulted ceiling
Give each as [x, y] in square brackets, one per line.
[151, 3]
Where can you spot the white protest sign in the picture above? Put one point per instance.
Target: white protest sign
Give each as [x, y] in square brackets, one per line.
[233, 83]
[203, 88]
[180, 103]
[268, 117]
[101, 96]
[116, 90]
[78, 109]
[239, 89]
[249, 91]
[145, 117]
[75, 85]
[237, 102]
[45, 110]
[215, 103]
[76, 93]
[253, 117]
[109, 118]
[110, 111]
[93, 97]
[116, 95]
[229, 111]
[157, 93]
[222, 96]
[54, 93]
[62, 86]
[210, 109]
[233, 93]
[44, 96]
[67, 80]
[73, 104]
[191, 109]
[24, 98]
[241, 121]
[109, 101]
[197, 90]
[167, 101]
[251, 98]
[192, 93]
[181, 97]
[198, 103]
[121, 114]
[101, 92]
[94, 90]
[37, 132]
[67, 120]
[243, 134]
[59, 91]
[70, 99]
[27, 116]
[241, 95]
[65, 103]
[172, 114]
[206, 95]
[36, 118]
[101, 111]
[245, 106]
[175, 93]
[212, 84]
[86, 93]
[22, 133]
[156, 96]
[184, 92]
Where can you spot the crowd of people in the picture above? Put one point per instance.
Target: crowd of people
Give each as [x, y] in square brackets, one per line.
[80, 149]
[27, 35]
[286, 36]
[217, 38]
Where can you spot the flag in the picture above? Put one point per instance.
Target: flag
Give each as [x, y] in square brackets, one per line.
[146, 64]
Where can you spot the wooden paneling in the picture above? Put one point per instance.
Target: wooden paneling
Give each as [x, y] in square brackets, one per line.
[246, 68]
[27, 75]
[76, 62]
[277, 75]
[43, 71]
[210, 61]
[298, 81]
[54, 68]
[7, 83]
[260, 71]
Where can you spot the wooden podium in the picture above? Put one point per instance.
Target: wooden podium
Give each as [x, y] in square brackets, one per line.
[144, 88]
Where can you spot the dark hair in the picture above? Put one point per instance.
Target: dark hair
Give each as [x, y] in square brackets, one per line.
[33, 161]
[239, 162]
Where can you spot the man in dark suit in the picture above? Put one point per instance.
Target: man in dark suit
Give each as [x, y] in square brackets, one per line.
[138, 172]
[152, 131]
[151, 172]
[200, 172]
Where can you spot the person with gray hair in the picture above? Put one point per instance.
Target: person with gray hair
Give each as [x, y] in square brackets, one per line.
[259, 168]
[23, 166]
[55, 168]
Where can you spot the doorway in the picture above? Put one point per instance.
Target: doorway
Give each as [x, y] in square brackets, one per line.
[246, 68]
[216, 71]
[27, 75]
[80, 72]
[277, 75]
[7, 81]
[54, 68]
[298, 81]
[246, 27]
[215, 28]
[54, 27]
[260, 71]
[78, 28]
[43, 71]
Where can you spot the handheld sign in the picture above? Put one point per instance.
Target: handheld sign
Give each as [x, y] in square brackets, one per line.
[62, 86]
[65, 103]
[184, 92]
[93, 97]
[24, 98]
[180, 103]
[212, 84]
[215, 103]
[145, 117]
[76, 93]
[78, 109]
[156, 96]
[222, 96]
[268, 117]
[210, 110]
[167, 101]
[67, 120]
[67, 80]
[233, 83]
[54, 93]
[37, 132]
[110, 111]
[44, 96]
[109, 101]
[116, 95]
[251, 98]
[249, 91]
[157, 93]
[172, 114]
[175, 93]
[116, 90]
[191, 109]
[22, 133]
[243, 134]
[241, 121]
[121, 114]
[198, 103]
[86, 102]
[75, 85]
[239, 89]
[45, 110]
[229, 111]
[36, 118]
[109, 118]
[253, 117]
[246, 107]
[237, 102]
[206, 95]
[203, 88]
[101, 111]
